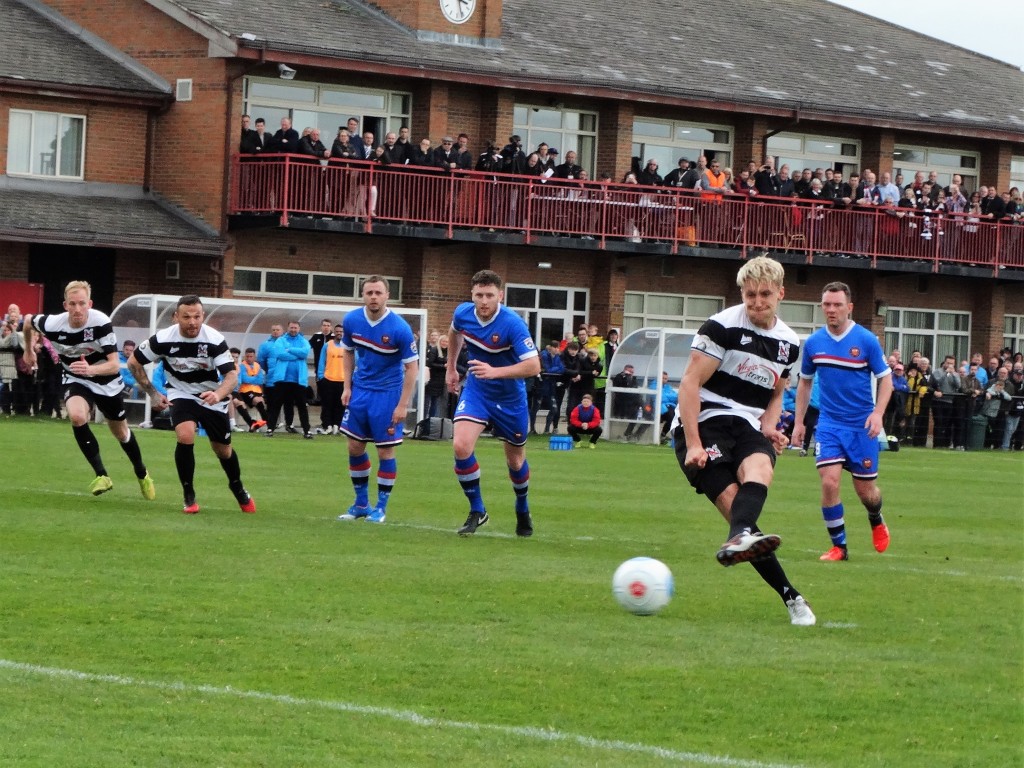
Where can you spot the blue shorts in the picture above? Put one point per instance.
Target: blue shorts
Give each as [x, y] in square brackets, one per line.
[848, 446]
[510, 421]
[368, 417]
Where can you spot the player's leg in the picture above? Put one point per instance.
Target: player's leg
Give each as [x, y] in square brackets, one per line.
[754, 459]
[870, 496]
[79, 411]
[830, 458]
[356, 425]
[184, 453]
[467, 470]
[519, 474]
[387, 472]
[126, 439]
[218, 430]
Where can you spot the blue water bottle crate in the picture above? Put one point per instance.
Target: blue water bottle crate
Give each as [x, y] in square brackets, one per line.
[560, 443]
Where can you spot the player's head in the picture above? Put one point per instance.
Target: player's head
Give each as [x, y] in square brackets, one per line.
[189, 315]
[487, 293]
[760, 281]
[837, 304]
[375, 294]
[77, 301]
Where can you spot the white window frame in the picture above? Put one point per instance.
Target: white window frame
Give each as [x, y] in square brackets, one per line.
[802, 328]
[668, 151]
[564, 139]
[1013, 332]
[896, 334]
[1017, 172]
[57, 154]
[798, 159]
[572, 316]
[971, 176]
[394, 285]
[688, 321]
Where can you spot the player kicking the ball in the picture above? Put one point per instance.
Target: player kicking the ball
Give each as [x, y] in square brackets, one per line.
[847, 359]
[501, 355]
[730, 399]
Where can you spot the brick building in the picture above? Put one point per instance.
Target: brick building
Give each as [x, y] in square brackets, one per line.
[152, 207]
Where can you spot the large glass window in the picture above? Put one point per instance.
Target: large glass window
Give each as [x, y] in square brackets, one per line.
[665, 141]
[309, 285]
[804, 317]
[1017, 172]
[799, 151]
[311, 105]
[667, 310]
[908, 161]
[934, 333]
[551, 312]
[1013, 332]
[46, 144]
[564, 129]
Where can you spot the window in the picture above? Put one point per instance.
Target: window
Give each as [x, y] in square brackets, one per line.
[46, 144]
[665, 141]
[667, 310]
[1013, 332]
[564, 129]
[945, 162]
[326, 106]
[804, 317]
[549, 311]
[934, 333]
[800, 151]
[309, 285]
[1017, 172]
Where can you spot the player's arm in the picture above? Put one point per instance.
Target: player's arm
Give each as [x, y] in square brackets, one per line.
[348, 365]
[771, 415]
[138, 369]
[803, 400]
[228, 384]
[28, 334]
[412, 369]
[109, 367]
[454, 349]
[874, 421]
[700, 368]
[521, 370]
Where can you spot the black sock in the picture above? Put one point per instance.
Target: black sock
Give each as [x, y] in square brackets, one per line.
[134, 454]
[233, 471]
[770, 569]
[90, 448]
[746, 507]
[874, 513]
[185, 461]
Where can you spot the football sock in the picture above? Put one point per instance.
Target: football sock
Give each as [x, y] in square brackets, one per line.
[468, 472]
[263, 411]
[386, 473]
[185, 463]
[232, 469]
[521, 485]
[875, 514]
[245, 417]
[746, 507]
[90, 448]
[770, 569]
[134, 454]
[359, 471]
[835, 524]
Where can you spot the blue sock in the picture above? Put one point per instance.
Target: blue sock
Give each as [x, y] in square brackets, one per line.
[468, 472]
[521, 485]
[386, 473]
[835, 524]
[359, 471]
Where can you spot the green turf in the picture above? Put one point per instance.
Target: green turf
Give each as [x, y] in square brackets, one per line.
[133, 635]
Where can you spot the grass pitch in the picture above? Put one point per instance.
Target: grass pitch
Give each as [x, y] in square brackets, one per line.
[133, 635]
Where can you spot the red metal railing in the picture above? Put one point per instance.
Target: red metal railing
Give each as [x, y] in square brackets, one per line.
[368, 192]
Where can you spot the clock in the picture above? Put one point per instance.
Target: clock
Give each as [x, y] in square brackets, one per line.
[458, 11]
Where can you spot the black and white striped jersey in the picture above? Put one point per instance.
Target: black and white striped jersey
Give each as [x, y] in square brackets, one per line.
[94, 341]
[751, 359]
[190, 365]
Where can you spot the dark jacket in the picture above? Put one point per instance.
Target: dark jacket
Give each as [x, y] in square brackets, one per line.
[285, 141]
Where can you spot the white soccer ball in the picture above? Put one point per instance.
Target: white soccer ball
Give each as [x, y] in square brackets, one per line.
[643, 585]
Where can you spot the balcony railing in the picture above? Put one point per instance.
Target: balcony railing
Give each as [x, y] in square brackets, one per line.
[371, 194]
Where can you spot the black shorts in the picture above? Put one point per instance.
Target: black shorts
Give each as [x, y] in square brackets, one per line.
[111, 406]
[728, 440]
[246, 397]
[216, 423]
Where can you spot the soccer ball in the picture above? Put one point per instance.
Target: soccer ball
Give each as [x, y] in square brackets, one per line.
[643, 585]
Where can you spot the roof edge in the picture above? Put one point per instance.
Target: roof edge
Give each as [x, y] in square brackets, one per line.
[98, 44]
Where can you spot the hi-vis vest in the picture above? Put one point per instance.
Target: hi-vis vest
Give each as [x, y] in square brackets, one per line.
[252, 371]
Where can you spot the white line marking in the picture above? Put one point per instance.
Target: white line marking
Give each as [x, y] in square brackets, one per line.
[401, 715]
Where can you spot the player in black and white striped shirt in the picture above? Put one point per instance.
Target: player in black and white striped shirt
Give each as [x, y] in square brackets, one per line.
[201, 375]
[84, 340]
[730, 400]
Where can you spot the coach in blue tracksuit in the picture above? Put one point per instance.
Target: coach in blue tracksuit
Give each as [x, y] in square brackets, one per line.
[290, 376]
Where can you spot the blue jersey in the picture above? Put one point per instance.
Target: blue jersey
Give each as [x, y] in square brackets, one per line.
[845, 366]
[502, 341]
[383, 347]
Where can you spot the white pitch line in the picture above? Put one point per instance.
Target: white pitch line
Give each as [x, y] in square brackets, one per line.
[400, 715]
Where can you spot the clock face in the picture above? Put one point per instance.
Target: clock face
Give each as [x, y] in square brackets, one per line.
[458, 11]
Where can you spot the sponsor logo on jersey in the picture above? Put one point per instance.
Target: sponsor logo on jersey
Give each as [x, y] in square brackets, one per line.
[529, 345]
[756, 373]
[783, 351]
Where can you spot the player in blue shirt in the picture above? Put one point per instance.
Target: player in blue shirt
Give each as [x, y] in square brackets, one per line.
[501, 355]
[381, 364]
[846, 358]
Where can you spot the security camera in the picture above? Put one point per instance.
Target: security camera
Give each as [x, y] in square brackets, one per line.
[285, 72]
